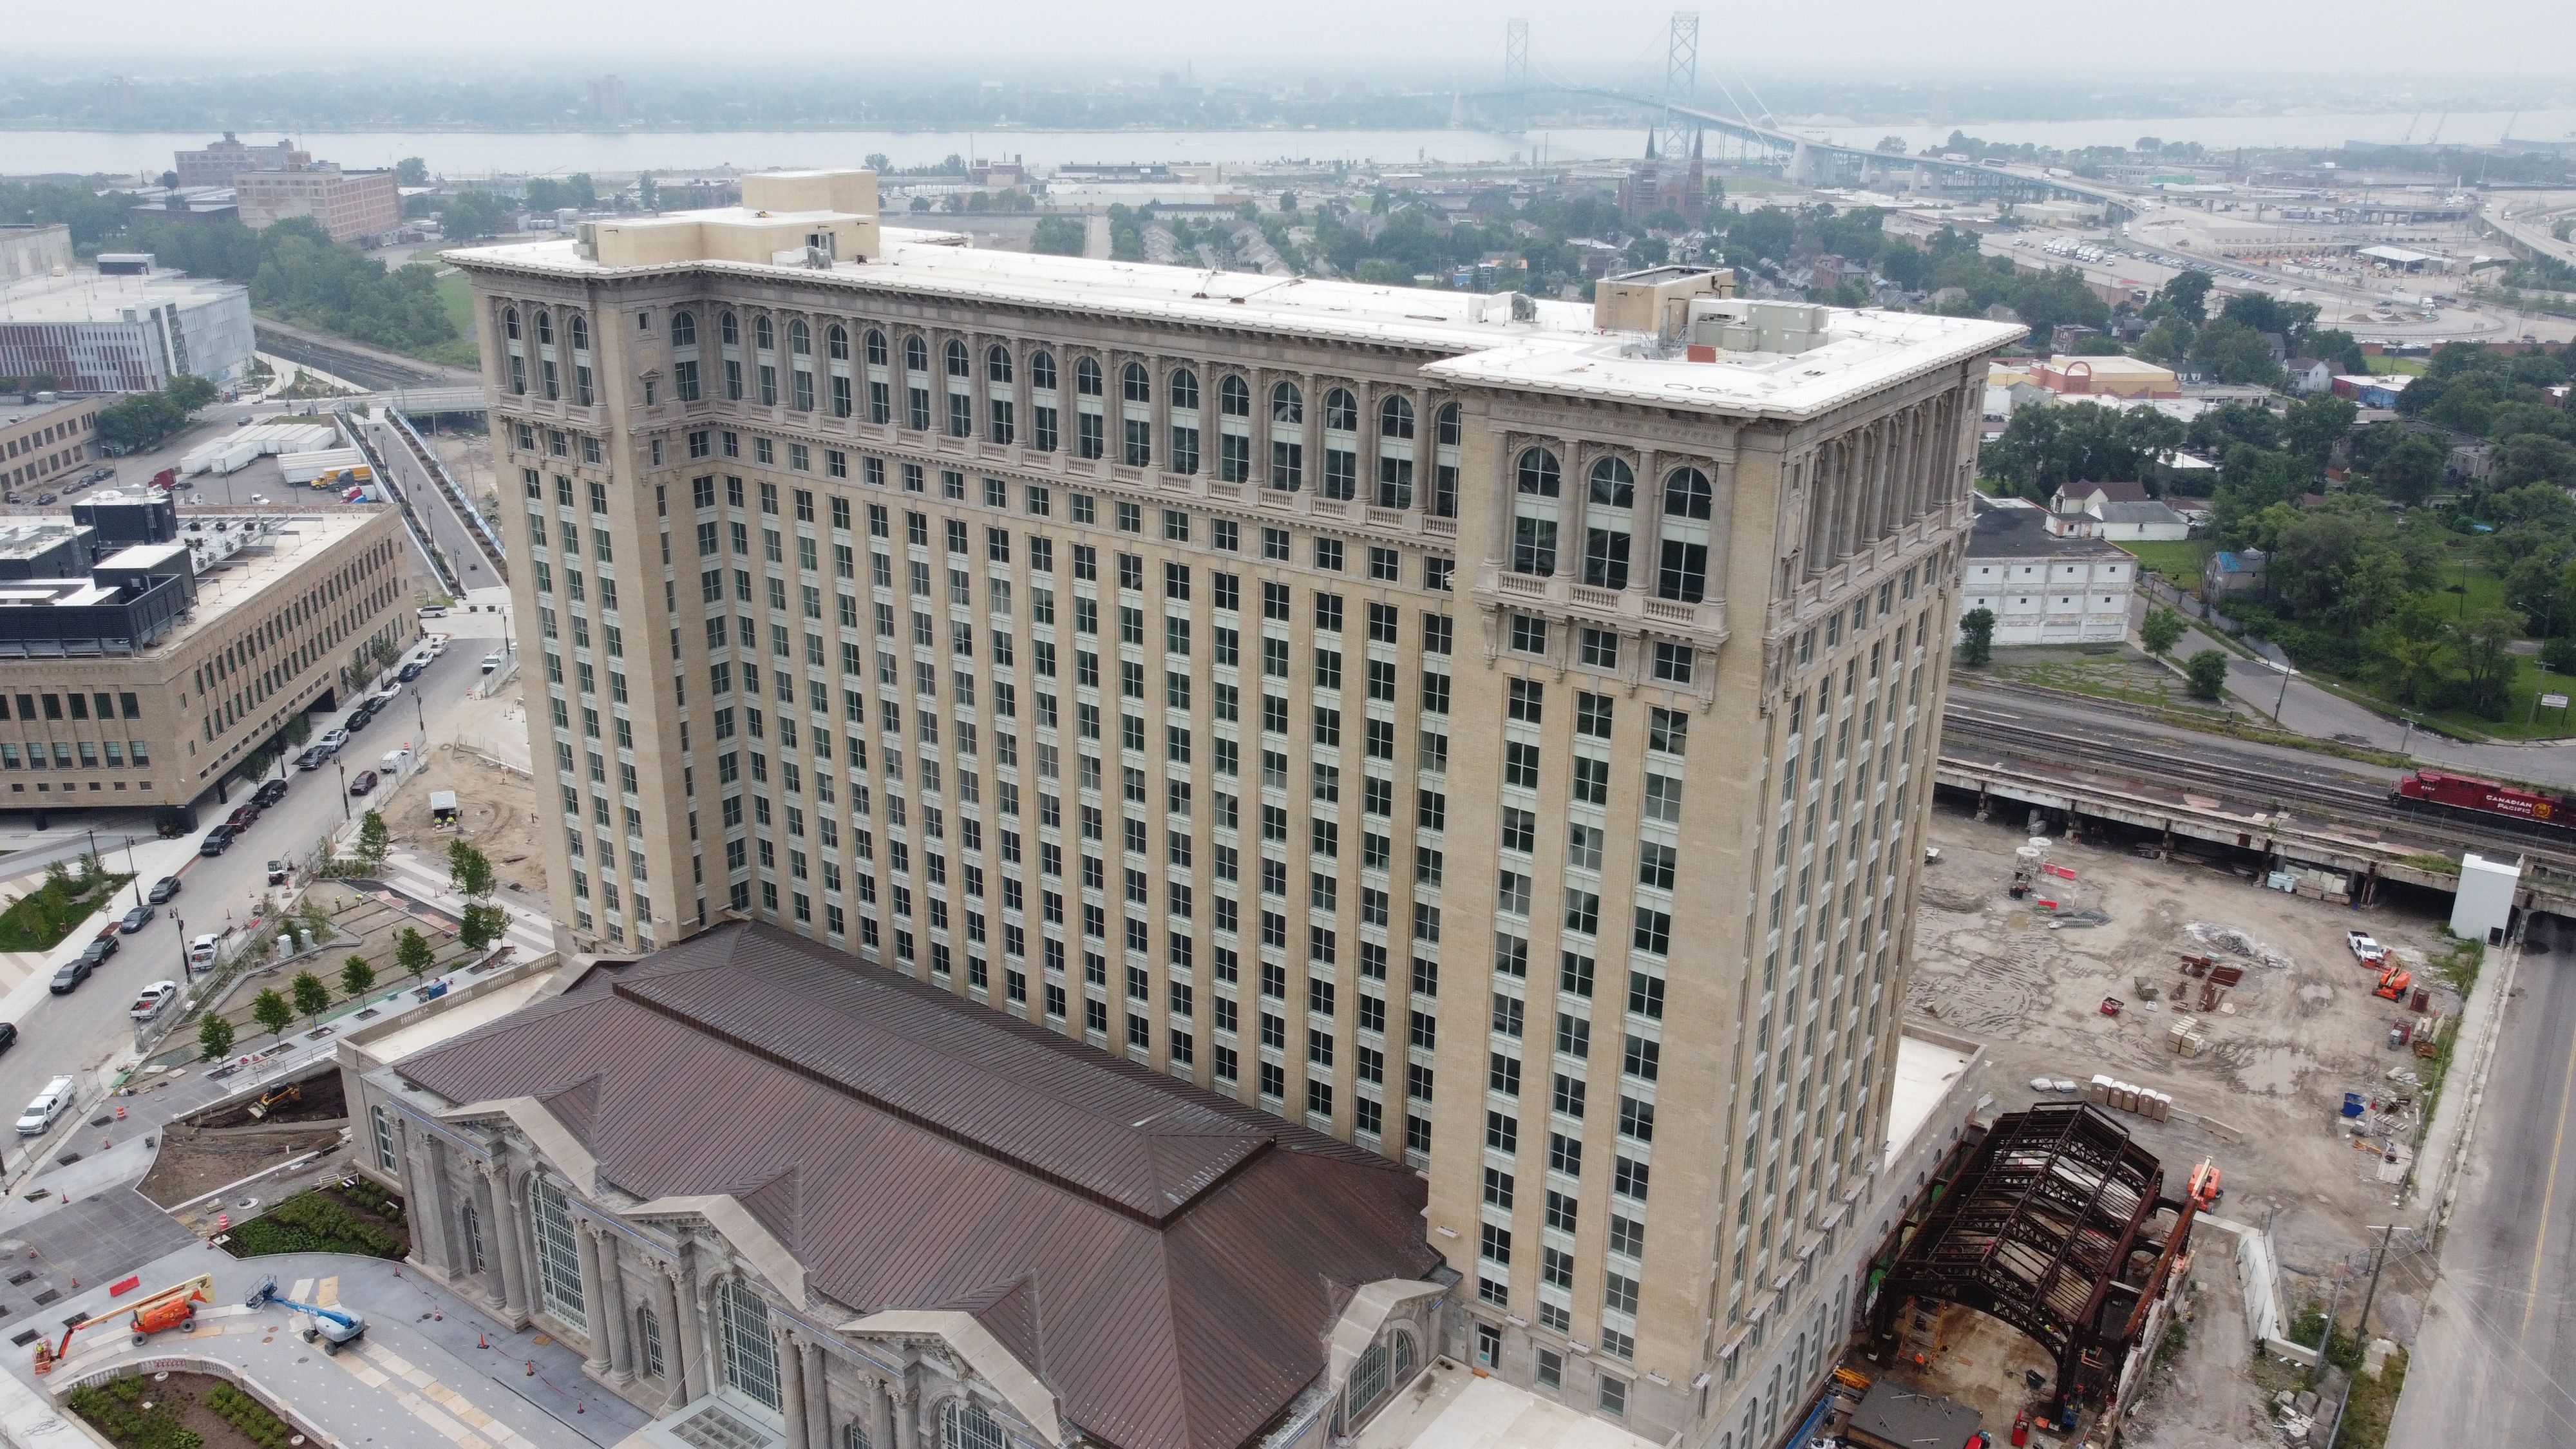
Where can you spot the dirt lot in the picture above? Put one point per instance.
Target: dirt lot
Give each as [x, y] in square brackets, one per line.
[196, 1160]
[499, 807]
[2300, 1030]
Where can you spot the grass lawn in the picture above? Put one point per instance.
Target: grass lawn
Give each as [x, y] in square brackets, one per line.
[2178, 560]
[2407, 366]
[39, 920]
[2464, 567]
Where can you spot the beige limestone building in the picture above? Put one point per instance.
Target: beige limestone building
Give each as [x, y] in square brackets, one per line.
[1492, 731]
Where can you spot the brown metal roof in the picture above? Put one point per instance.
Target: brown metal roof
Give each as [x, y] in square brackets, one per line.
[1167, 1260]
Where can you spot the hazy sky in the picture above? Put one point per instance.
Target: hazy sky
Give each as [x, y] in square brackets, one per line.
[2172, 39]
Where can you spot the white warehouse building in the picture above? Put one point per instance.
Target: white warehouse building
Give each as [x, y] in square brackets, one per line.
[2045, 588]
[124, 332]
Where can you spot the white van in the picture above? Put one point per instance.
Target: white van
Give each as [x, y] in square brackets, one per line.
[49, 1106]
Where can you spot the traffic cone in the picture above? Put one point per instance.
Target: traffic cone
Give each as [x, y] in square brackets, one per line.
[479, 1343]
[120, 1111]
[532, 1368]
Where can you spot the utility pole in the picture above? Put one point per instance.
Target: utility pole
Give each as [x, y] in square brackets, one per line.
[2361, 1329]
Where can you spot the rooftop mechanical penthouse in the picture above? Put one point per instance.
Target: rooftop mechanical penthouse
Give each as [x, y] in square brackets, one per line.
[1489, 730]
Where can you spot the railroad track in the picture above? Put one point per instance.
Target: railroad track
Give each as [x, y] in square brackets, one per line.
[2303, 790]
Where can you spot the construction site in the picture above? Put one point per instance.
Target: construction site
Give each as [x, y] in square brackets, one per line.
[2169, 1038]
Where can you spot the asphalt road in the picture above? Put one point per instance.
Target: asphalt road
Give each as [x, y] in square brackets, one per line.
[69, 1034]
[2495, 1362]
[430, 504]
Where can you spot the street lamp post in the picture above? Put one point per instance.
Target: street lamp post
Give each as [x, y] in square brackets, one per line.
[344, 789]
[134, 870]
[2279, 704]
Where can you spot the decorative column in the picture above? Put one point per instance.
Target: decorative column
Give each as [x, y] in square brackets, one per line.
[818, 1397]
[676, 1355]
[621, 1320]
[505, 1241]
[791, 1386]
[488, 1231]
[880, 1412]
[907, 1416]
[692, 1333]
[594, 1298]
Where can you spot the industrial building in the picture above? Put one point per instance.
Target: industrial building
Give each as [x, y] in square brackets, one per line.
[221, 163]
[91, 332]
[1489, 731]
[354, 206]
[139, 659]
[2047, 586]
[45, 442]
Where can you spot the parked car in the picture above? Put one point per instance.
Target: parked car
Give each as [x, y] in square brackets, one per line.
[136, 919]
[44, 498]
[358, 719]
[270, 792]
[202, 951]
[313, 758]
[50, 1104]
[98, 950]
[217, 841]
[243, 815]
[163, 889]
[433, 611]
[493, 661]
[331, 742]
[8, 1035]
[151, 999]
[72, 973]
[411, 671]
[362, 782]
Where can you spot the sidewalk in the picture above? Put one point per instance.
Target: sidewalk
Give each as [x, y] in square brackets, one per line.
[2448, 1136]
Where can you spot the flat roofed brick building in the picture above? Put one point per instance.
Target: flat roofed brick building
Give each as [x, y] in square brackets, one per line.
[1492, 731]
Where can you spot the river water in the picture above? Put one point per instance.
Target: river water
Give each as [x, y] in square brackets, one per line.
[465, 154]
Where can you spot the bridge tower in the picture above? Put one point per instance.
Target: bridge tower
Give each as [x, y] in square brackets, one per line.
[1681, 82]
[1515, 103]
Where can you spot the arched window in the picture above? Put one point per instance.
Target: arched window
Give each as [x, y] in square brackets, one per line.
[545, 327]
[510, 322]
[966, 1424]
[1341, 411]
[876, 348]
[1538, 472]
[1368, 1381]
[1534, 517]
[1234, 398]
[800, 338]
[916, 355]
[684, 329]
[1395, 417]
[997, 363]
[1086, 377]
[958, 363]
[1185, 389]
[1606, 524]
[1447, 432]
[729, 330]
[1287, 405]
[1687, 494]
[1681, 568]
[836, 341]
[1614, 484]
[580, 330]
[558, 1250]
[1450, 431]
[742, 1328]
[1042, 370]
[764, 336]
[1133, 383]
[1404, 1356]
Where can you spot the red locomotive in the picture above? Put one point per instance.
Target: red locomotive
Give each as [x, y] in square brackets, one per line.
[2486, 797]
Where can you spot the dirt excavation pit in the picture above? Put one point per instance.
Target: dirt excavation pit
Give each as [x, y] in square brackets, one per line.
[2295, 1030]
[220, 1148]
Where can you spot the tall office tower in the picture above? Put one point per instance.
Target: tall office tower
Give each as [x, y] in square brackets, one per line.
[1493, 731]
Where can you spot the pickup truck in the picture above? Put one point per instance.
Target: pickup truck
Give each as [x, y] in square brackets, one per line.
[2364, 949]
[151, 999]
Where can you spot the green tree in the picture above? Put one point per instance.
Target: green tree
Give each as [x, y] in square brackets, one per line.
[373, 840]
[2044, 447]
[2185, 295]
[271, 1010]
[469, 871]
[2482, 643]
[139, 421]
[1977, 636]
[413, 952]
[2160, 630]
[481, 925]
[356, 976]
[312, 998]
[2207, 673]
[411, 171]
[2405, 649]
[2233, 352]
[1060, 236]
[214, 1036]
[472, 215]
[2314, 425]
[2410, 471]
